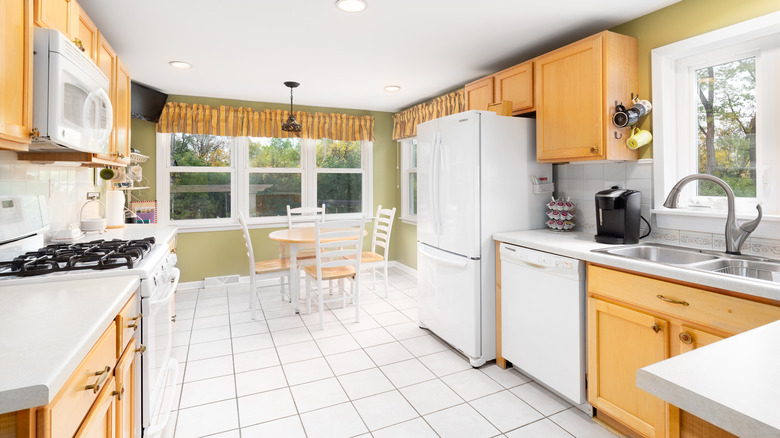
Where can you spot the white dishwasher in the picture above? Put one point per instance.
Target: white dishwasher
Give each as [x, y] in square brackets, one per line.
[543, 318]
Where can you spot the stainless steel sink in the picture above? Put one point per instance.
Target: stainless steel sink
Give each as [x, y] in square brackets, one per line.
[762, 270]
[660, 253]
[744, 266]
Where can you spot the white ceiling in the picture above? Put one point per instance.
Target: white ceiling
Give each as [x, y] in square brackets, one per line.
[246, 49]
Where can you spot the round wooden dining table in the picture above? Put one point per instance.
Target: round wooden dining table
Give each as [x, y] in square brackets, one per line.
[298, 238]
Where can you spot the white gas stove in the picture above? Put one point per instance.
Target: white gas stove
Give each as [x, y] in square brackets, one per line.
[142, 250]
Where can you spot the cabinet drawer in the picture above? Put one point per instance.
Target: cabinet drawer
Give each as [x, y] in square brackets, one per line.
[723, 312]
[128, 322]
[63, 416]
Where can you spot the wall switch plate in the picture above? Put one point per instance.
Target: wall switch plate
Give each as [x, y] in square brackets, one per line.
[93, 195]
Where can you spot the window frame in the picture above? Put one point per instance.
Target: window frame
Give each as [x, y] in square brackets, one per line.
[674, 107]
[240, 171]
[406, 170]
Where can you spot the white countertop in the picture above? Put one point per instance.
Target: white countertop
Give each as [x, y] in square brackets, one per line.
[47, 329]
[745, 400]
[578, 245]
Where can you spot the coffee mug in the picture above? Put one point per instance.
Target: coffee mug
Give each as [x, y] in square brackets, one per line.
[639, 138]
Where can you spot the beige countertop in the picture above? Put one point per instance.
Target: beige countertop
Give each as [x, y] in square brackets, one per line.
[734, 383]
[48, 328]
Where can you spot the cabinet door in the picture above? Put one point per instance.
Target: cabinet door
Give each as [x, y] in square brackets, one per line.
[687, 424]
[107, 61]
[55, 14]
[100, 421]
[126, 397]
[569, 116]
[516, 84]
[15, 74]
[86, 31]
[479, 94]
[122, 113]
[620, 341]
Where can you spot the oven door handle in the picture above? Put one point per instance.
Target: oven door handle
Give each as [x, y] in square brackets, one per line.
[171, 290]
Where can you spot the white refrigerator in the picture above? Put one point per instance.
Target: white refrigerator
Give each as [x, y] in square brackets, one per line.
[474, 172]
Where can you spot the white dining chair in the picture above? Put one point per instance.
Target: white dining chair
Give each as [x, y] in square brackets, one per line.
[338, 246]
[383, 227]
[298, 217]
[266, 269]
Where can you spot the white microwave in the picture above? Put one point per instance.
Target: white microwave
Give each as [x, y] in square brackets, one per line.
[71, 107]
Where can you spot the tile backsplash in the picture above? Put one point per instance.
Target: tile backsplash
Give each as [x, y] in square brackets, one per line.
[581, 181]
[65, 187]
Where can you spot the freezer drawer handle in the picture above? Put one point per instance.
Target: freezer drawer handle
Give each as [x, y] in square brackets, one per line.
[669, 300]
[443, 260]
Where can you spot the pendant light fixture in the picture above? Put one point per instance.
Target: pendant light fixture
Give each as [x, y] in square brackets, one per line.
[291, 125]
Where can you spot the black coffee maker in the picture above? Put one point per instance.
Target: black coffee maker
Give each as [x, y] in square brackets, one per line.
[618, 212]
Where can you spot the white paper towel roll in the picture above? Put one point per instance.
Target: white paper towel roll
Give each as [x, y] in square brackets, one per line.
[115, 209]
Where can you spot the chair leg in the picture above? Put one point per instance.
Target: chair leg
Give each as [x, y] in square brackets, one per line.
[252, 297]
[385, 279]
[356, 296]
[308, 295]
[373, 278]
[322, 312]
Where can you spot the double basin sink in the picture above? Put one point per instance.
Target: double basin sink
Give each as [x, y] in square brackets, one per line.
[744, 266]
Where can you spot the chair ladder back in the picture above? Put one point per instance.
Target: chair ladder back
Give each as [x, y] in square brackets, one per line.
[304, 216]
[248, 243]
[383, 226]
[345, 250]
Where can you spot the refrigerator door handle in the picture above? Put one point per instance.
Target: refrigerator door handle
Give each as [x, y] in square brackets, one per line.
[440, 187]
[435, 185]
[443, 261]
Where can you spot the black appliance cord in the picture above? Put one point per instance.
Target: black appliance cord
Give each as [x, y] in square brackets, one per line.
[649, 228]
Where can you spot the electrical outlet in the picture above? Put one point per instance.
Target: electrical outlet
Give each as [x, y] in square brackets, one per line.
[93, 195]
[610, 184]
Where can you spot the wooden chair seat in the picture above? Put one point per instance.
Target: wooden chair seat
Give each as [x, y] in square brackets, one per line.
[275, 265]
[368, 256]
[333, 273]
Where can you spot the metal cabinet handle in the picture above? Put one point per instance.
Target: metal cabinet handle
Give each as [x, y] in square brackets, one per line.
[686, 338]
[141, 349]
[669, 300]
[656, 327]
[135, 320]
[101, 380]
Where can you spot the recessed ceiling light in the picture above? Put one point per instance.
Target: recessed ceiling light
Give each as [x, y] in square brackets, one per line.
[180, 64]
[351, 5]
[392, 88]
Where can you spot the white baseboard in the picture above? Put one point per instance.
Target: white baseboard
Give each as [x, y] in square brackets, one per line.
[195, 285]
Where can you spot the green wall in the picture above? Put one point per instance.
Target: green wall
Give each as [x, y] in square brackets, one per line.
[219, 253]
[683, 20]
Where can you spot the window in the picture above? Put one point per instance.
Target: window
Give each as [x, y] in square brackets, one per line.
[409, 180]
[212, 179]
[715, 111]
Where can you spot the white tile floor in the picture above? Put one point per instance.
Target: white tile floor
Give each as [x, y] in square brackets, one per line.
[280, 376]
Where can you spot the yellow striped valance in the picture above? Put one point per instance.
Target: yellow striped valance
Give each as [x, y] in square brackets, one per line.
[405, 123]
[239, 122]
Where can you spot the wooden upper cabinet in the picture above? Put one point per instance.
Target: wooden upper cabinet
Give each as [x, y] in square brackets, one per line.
[479, 94]
[57, 14]
[15, 74]
[577, 87]
[516, 84]
[107, 62]
[122, 113]
[86, 31]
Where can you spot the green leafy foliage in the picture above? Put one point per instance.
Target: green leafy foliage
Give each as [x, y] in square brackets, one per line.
[726, 119]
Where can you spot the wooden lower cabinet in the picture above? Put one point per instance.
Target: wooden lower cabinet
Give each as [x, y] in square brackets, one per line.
[620, 341]
[634, 321]
[126, 391]
[100, 422]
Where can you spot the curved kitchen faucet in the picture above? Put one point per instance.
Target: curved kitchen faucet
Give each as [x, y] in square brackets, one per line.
[735, 234]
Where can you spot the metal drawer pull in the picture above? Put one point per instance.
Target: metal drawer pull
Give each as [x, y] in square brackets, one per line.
[656, 327]
[101, 380]
[141, 349]
[135, 320]
[120, 394]
[686, 338]
[669, 300]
